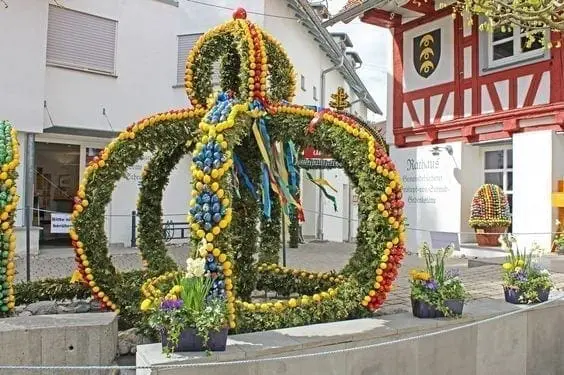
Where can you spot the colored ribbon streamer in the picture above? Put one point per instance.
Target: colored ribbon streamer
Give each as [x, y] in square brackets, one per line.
[265, 183]
[322, 188]
[240, 170]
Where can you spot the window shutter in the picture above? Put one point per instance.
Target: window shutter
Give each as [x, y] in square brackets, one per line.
[81, 40]
[185, 44]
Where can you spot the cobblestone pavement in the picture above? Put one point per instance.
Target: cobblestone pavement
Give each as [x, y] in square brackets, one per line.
[481, 282]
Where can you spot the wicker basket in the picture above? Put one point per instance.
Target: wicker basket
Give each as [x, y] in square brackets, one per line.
[489, 236]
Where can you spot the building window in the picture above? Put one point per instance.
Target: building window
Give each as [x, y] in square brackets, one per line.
[185, 44]
[511, 45]
[314, 93]
[302, 81]
[498, 170]
[81, 41]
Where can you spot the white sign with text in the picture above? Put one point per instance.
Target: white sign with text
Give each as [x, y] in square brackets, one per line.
[60, 223]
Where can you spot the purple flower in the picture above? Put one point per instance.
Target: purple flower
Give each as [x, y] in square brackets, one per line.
[168, 305]
[451, 274]
[431, 284]
[521, 276]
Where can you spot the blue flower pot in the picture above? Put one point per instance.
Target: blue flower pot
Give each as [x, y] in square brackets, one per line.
[424, 310]
[189, 341]
[514, 296]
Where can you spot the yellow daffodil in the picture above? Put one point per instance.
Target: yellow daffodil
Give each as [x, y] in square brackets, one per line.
[146, 304]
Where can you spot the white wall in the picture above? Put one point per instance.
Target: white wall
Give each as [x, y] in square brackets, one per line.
[533, 183]
[432, 190]
[472, 175]
[22, 73]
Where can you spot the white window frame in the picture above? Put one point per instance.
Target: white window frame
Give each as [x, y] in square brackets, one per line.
[517, 56]
[505, 170]
[302, 82]
[314, 93]
[69, 62]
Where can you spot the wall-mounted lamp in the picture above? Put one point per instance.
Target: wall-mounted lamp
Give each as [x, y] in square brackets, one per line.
[436, 150]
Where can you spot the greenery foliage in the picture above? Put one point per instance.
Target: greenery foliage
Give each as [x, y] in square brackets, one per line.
[435, 285]
[270, 232]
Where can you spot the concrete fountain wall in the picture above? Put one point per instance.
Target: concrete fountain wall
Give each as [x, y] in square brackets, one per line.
[528, 342]
[58, 340]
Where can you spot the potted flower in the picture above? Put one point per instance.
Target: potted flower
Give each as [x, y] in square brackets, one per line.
[436, 292]
[489, 214]
[525, 280]
[192, 316]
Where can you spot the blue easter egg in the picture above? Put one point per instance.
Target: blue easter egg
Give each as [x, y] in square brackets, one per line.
[207, 170]
[207, 227]
[216, 217]
[198, 217]
[210, 258]
[212, 267]
[217, 147]
[217, 163]
[207, 217]
[208, 162]
[206, 208]
[214, 198]
[216, 207]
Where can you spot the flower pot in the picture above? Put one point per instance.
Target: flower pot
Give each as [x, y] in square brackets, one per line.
[189, 341]
[424, 310]
[455, 306]
[489, 236]
[516, 297]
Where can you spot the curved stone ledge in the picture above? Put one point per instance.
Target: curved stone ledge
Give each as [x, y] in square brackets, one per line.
[524, 343]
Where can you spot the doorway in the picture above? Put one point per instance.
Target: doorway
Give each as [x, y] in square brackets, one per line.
[56, 181]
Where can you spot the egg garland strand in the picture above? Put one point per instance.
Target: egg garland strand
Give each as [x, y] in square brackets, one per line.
[9, 160]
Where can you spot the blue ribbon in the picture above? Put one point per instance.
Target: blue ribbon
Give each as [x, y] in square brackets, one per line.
[265, 181]
[240, 169]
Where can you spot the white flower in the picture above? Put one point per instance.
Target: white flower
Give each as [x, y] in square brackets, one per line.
[202, 250]
[195, 267]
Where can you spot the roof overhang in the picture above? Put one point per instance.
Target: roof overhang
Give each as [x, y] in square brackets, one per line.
[81, 132]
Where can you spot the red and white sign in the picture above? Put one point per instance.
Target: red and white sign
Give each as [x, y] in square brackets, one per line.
[311, 153]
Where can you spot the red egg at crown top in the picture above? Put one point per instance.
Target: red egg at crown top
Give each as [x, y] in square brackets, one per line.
[240, 13]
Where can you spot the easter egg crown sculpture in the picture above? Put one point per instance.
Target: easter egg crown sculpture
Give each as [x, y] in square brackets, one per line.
[244, 141]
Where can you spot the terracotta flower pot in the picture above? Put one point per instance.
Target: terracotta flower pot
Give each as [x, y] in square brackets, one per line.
[489, 236]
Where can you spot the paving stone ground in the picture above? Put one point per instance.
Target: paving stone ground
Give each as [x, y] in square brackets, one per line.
[481, 282]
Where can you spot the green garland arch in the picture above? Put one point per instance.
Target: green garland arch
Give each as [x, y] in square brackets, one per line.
[368, 276]
[155, 178]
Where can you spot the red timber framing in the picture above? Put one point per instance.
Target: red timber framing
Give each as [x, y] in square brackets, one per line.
[427, 127]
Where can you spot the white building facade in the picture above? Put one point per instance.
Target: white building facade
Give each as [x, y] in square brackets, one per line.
[75, 74]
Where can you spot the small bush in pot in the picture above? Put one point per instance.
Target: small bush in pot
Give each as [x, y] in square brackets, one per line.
[489, 214]
[525, 280]
[435, 291]
[190, 316]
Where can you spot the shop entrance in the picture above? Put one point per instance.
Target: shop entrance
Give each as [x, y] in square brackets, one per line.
[56, 180]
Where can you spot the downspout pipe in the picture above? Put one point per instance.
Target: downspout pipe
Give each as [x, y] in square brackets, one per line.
[319, 234]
